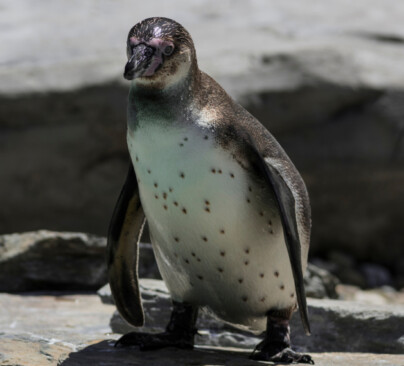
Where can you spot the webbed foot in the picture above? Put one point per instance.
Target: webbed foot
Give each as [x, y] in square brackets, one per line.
[149, 341]
[287, 355]
[275, 346]
[179, 333]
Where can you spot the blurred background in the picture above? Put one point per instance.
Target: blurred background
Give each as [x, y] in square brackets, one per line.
[325, 77]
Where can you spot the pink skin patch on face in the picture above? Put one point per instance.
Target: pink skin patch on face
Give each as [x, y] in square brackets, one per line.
[159, 45]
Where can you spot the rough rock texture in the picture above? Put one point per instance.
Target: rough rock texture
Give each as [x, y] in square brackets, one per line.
[320, 283]
[337, 326]
[49, 260]
[325, 77]
[72, 331]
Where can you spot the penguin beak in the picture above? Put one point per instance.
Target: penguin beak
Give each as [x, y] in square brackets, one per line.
[139, 62]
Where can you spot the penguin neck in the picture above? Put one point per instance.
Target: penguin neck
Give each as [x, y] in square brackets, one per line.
[152, 99]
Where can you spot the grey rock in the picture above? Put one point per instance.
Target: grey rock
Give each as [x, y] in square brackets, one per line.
[337, 326]
[45, 260]
[352, 327]
[376, 275]
[319, 283]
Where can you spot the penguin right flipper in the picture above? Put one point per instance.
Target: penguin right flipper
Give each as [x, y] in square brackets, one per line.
[286, 203]
[124, 234]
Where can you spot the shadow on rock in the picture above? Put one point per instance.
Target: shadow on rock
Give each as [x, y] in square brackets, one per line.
[104, 353]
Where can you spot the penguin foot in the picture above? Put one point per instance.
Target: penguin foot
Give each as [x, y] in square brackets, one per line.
[287, 356]
[275, 346]
[179, 333]
[149, 341]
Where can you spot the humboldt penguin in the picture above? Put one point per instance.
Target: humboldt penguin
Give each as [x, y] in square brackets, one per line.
[228, 213]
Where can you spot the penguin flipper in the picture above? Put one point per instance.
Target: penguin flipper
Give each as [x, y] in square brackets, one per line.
[286, 204]
[124, 234]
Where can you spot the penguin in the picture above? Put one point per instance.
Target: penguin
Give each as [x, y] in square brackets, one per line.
[228, 213]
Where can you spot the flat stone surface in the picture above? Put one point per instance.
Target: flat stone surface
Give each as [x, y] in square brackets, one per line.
[72, 330]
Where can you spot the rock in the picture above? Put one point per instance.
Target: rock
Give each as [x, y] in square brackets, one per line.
[378, 296]
[337, 326]
[49, 260]
[326, 81]
[376, 275]
[352, 327]
[45, 260]
[319, 283]
[71, 330]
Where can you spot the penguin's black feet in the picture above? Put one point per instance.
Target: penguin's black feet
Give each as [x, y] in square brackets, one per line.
[179, 333]
[286, 355]
[148, 341]
[275, 346]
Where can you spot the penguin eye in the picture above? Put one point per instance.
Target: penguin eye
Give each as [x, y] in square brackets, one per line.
[168, 50]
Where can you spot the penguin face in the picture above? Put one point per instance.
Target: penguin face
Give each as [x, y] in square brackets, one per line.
[160, 51]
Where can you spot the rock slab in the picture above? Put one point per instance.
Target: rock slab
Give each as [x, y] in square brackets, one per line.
[51, 260]
[71, 330]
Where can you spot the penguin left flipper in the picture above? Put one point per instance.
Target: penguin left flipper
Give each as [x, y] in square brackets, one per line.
[286, 203]
[124, 235]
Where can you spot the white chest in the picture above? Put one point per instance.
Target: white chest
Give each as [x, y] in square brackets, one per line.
[216, 233]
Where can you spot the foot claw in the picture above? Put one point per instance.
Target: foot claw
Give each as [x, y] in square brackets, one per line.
[146, 341]
[286, 356]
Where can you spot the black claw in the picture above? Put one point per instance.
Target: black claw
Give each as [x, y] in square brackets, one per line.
[286, 356]
[147, 342]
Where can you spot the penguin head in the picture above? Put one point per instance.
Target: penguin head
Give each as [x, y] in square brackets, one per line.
[160, 53]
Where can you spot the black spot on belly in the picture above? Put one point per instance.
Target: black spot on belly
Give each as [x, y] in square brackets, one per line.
[244, 298]
[200, 277]
[276, 273]
[240, 280]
